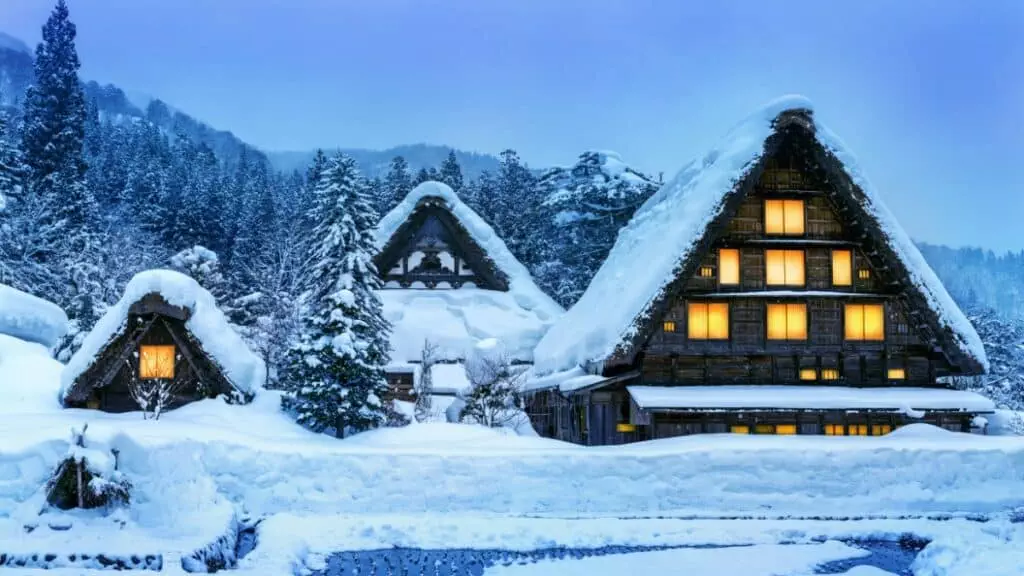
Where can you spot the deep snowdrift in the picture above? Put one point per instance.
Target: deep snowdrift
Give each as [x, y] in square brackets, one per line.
[29, 318]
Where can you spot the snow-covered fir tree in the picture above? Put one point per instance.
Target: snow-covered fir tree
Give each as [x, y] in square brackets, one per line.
[1004, 345]
[397, 184]
[495, 396]
[335, 372]
[584, 206]
[451, 173]
[203, 266]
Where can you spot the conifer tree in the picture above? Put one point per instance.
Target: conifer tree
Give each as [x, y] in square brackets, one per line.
[12, 167]
[451, 173]
[335, 372]
[397, 184]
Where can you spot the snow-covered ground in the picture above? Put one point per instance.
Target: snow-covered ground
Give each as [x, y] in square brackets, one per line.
[200, 469]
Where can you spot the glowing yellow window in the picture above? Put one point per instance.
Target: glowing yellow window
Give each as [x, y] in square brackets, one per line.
[739, 429]
[625, 427]
[784, 217]
[835, 430]
[764, 429]
[787, 322]
[842, 268]
[857, 430]
[897, 374]
[708, 321]
[880, 429]
[863, 273]
[865, 322]
[668, 326]
[829, 374]
[156, 361]
[785, 429]
[808, 374]
[784, 267]
[706, 272]
[728, 266]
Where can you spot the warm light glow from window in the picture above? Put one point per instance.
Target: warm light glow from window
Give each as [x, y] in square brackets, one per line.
[863, 273]
[669, 326]
[156, 361]
[706, 272]
[728, 266]
[808, 374]
[865, 322]
[880, 429]
[787, 322]
[857, 430]
[829, 374]
[785, 429]
[784, 217]
[739, 429]
[897, 374]
[624, 427]
[835, 430]
[708, 321]
[764, 429]
[842, 268]
[784, 267]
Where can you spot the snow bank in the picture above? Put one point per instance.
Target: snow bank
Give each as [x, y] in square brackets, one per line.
[664, 231]
[524, 292]
[29, 377]
[29, 318]
[805, 398]
[244, 369]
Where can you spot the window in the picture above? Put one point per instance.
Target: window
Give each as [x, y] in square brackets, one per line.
[842, 268]
[156, 361]
[857, 430]
[728, 266]
[739, 429]
[784, 267]
[829, 374]
[787, 322]
[865, 322]
[880, 429]
[707, 272]
[764, 429]
[668, 326]
[708, 321]
[785, 429]
[835, 430]
[625, 427]
[808, 374]
[784, 217]
[864, 274]
[897, 374]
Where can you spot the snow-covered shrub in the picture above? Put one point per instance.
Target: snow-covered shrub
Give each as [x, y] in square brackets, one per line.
[494, 398]
[87, 478]
[424, 390]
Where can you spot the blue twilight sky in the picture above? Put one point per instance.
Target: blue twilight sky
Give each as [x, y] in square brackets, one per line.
[929, 94]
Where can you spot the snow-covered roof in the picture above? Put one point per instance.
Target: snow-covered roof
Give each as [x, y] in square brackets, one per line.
[29, 318]
[664, 233]
[244, 370]
[456, 319]
[773, 397]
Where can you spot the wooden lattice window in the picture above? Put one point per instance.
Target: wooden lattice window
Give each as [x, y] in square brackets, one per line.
[156, 361]
[857, 430]
[829, 374]
[842, 267]
[808, 374]
[785, 217]
[785, 429]
[739, 429]
[864, 274]
[707, 272]
[835, 430]
[897, 374]
[784, 267]
[865, 322]
[708, 321]
[880, 429]
[729, 266]
[668, 326]
[787, 322]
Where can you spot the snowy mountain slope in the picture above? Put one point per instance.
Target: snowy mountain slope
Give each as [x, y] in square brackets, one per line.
[8, 42]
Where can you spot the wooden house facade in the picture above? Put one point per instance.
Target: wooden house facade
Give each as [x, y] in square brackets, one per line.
[792, 285]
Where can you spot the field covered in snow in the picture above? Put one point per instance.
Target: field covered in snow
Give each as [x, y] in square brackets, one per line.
[201, 470]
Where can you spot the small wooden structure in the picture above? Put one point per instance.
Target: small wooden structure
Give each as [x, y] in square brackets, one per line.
[154, 344]
[792, 280]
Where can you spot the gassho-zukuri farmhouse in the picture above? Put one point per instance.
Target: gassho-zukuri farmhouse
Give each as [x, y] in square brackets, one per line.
[764, 290]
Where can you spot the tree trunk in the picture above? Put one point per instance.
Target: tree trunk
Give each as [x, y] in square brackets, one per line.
[78, 473]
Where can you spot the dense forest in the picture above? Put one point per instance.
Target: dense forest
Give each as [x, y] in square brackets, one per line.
[95, 189]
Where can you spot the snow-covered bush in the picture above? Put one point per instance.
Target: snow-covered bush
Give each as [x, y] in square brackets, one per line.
[494, 398]
[87, 478]
[424, 390]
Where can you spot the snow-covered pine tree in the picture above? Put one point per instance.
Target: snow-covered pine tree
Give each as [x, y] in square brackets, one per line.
[583, 208]
[335, 373]
[12, 166]
[203, 266]
[397, 183]
[451, 173]
[425, 175]
[495, 397]
[517, 215]
[424, 407]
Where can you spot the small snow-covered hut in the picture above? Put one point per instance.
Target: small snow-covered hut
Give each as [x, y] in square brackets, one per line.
[165, 328]
[766, 289]
[448, 278]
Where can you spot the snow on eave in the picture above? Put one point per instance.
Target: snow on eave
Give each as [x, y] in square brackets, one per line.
[521, 284]
[242, 368]
[651, 250]
[29, 318]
